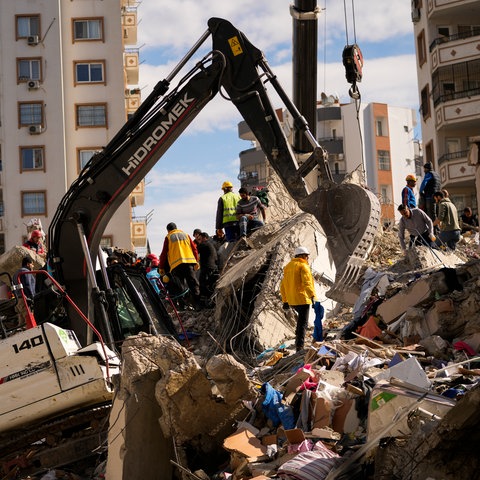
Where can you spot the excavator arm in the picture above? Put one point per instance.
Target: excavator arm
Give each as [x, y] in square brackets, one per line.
[239, 69]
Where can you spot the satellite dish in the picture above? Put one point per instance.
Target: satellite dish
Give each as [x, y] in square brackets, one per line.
[327, 101]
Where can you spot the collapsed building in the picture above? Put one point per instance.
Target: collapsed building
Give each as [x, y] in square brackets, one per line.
[393, 399]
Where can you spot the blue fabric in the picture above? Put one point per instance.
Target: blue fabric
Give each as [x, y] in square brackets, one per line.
[317, 324]
[152, 276]
[274, 409]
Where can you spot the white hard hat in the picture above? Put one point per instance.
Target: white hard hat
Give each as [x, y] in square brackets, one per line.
[301, 251]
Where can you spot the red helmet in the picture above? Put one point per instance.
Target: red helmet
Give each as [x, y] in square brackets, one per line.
[152, 256]
[154, 262]
[37, 233]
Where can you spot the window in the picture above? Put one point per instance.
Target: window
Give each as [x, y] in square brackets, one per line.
[421, 49]
[106, 241]
[86, 72]
[91, 115]
[425, 102]
[30, 114]
[87, 29]
[381, 128]
[34, 203]
[429, 152]
[29, 69]
[84, 155]
[385, 194]
[383, 159]
[27, 25]
[32, 158]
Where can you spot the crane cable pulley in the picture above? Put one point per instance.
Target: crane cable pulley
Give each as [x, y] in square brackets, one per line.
[352, 58]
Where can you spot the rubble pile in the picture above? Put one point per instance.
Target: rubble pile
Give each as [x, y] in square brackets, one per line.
[389, 397]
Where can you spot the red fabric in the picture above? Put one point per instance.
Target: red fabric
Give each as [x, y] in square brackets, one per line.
[370, 329]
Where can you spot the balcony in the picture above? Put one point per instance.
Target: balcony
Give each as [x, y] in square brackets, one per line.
[137, 197]
[469, 8]
[131, 66]
[455, 171]
[129, 25]
[459, 109]
[333, 145]
[455, 48]
[132, 99]
[251, 157]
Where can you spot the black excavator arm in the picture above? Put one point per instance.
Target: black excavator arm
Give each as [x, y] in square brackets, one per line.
[238, 68]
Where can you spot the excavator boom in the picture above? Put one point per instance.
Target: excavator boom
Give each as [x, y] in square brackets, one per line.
[348, 213]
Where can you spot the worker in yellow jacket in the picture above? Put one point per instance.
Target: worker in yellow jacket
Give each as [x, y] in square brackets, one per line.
[180, 257]
[298, 291]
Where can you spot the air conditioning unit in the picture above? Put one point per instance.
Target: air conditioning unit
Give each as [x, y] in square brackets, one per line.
[33, 39]
[33, 84]
[35, 129]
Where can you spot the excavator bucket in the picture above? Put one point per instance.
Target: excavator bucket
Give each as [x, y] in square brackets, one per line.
[349, 215]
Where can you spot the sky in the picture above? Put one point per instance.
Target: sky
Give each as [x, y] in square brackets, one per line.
[185, 184]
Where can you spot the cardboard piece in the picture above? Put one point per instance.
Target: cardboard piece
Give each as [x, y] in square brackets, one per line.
[296, 381]
[295, 436]
[321, 413]
[269, 440]
[244, 442]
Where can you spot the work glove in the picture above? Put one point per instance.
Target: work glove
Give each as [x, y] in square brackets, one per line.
[196, 267]
[313, 303]
[433, 238]
[286, 306]
[165, 279]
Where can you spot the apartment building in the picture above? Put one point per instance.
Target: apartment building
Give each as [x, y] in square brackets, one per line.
[68, 72]
[380, 146]
[447, 36]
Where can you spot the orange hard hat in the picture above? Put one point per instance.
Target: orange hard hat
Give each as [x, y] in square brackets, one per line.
[411, 178]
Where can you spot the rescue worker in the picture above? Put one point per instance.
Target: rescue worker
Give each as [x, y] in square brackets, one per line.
[35, 242]
[430, 184]
[408, 195]
[419, 226]
[447, 221]
[298, 291]
[27, 281]
[208, 266]
[180, 256]
[248, 209]
[226, 218]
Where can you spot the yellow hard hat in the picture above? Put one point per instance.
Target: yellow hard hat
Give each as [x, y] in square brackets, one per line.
[411, 178]
[227, 184]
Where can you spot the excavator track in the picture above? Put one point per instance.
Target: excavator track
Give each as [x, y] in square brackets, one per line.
[61, 442]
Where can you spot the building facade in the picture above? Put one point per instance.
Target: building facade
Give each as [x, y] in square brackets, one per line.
[68, 71]
[383, 154]
[447, 36]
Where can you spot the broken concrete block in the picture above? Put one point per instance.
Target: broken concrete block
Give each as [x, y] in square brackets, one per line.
[435, 346]
[230, 377]
[442, 320]
[423, 291]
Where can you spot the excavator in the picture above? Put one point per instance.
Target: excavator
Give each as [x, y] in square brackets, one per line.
[80, 354]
